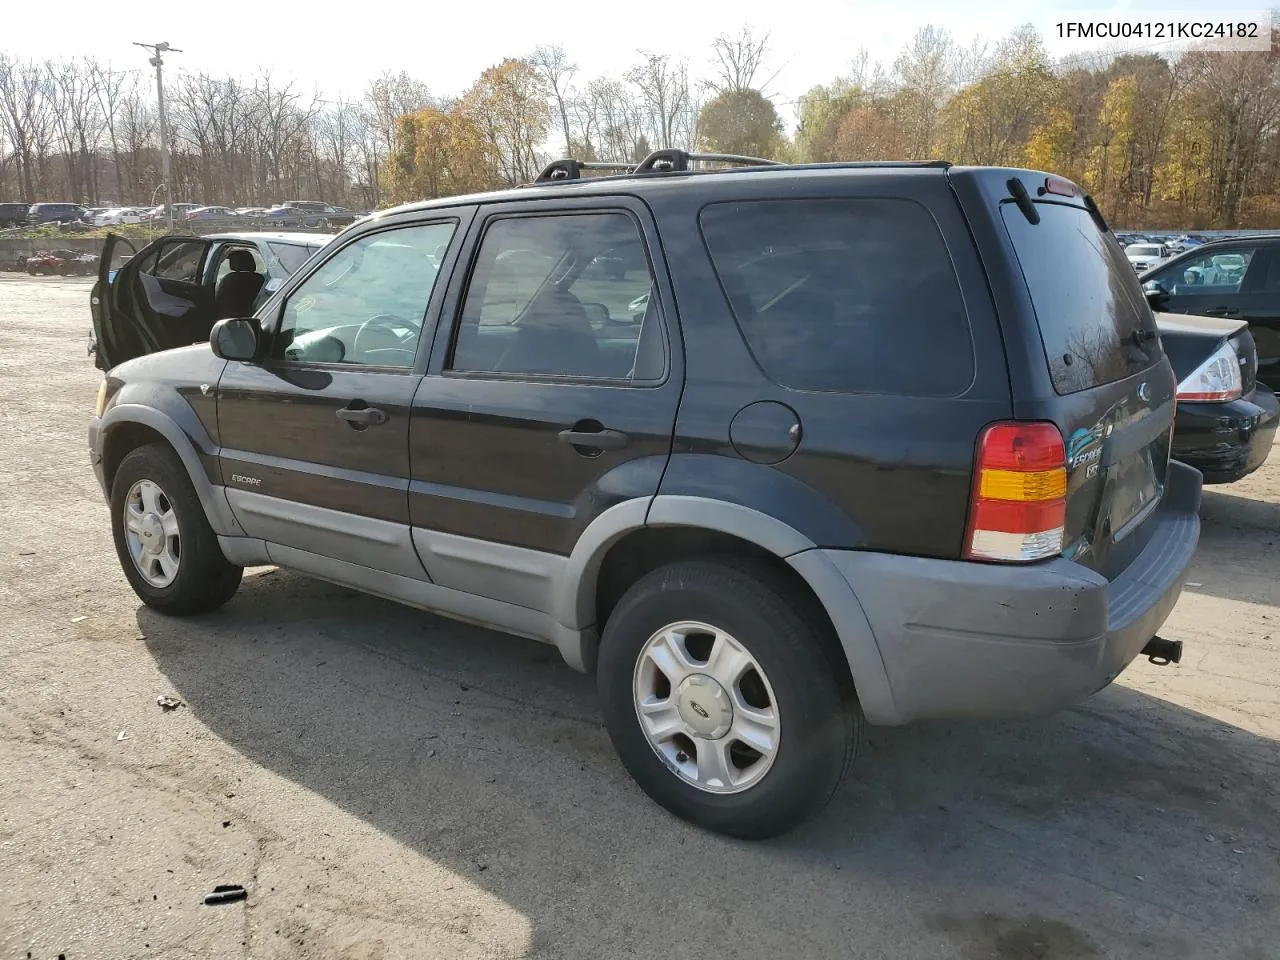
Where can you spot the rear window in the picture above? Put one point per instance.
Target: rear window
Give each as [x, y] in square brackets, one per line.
[848, 296]
[1094, 322]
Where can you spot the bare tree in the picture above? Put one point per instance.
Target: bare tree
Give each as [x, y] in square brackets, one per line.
[23, 97]
[737, 62]
[557, 72]
[663, 86]
[79, 121]
[109, 84]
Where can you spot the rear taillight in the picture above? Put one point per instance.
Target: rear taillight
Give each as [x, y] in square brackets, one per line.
[1019, 504]
[1217, 379]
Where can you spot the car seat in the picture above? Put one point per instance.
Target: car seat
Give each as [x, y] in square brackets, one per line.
[236, 292]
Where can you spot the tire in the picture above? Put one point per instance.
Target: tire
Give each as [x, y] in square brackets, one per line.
[800, 681]
[204, 579]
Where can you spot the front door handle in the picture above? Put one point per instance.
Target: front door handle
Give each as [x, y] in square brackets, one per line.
[593, 436]
[1221, 312]
[362, 416]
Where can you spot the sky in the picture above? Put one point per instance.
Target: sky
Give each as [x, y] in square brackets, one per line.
[339, 47]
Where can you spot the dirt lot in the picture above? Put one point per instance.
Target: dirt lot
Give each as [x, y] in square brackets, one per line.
[388, 784]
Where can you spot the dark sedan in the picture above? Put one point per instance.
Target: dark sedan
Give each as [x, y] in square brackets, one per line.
[1226, 420]
[1238, 279]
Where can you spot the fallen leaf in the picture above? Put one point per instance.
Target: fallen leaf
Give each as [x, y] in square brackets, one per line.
[169, 703]
[122, 736]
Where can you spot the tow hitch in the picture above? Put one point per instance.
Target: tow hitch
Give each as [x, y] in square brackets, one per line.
[1163, 652]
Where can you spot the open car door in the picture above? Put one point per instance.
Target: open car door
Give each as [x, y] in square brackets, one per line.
[154, 300]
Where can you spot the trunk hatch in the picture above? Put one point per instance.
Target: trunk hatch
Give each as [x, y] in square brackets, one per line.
[1112, 387]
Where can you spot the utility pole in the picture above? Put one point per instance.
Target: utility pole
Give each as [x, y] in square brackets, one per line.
[157, 61]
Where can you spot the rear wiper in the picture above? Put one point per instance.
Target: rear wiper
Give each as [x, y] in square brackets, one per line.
[1023, 199]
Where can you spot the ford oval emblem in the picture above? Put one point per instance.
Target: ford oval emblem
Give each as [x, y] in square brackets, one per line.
[1144, 393]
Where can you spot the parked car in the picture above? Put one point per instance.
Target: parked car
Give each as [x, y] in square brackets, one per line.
[63, 263]
[1237, 279]
[312, 213]
[1126, 239]
[1186, 242]
[13, 214]
[901, 452]
[119, 215]
[156, 214]
[251, 211]
[210, 213]
[39, 213]
[1226, 421]
[1144, 256]
[170, 292]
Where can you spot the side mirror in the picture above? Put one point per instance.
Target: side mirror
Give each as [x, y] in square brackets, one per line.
[237, 338]
[1154, 291]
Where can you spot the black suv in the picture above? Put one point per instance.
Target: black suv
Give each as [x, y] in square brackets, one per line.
[837, 444]
[54, 213]
[13, 214]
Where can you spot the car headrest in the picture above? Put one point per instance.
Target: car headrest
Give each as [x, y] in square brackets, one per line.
[241, 261]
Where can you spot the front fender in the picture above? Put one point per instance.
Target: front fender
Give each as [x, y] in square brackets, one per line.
[192, 443]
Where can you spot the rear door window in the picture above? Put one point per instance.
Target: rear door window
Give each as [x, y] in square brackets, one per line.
[849, 296]
[1094, 321]
[180, 260]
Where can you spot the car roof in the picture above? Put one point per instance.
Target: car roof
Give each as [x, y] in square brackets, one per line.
[792, 174]
[307, 239]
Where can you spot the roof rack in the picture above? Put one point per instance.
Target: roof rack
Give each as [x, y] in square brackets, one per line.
[665, 161]
[569, 169]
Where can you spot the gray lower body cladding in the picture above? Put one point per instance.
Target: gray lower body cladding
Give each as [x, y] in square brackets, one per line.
[982, 640]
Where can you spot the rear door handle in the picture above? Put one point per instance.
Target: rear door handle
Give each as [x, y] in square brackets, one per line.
[362, 416]
[601, 439]
[1221, 312]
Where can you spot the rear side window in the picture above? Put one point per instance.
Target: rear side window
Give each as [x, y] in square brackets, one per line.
[1094, 321]
[849, 296]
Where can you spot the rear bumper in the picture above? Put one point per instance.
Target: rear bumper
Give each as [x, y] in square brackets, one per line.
[1227, 441]
[961, 639]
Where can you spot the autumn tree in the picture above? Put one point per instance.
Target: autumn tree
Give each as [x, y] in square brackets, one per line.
[508, 105]
[440, 153]
[741, 122]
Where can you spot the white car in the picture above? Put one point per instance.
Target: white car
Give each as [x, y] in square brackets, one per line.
[1144, 256]
[119, 215]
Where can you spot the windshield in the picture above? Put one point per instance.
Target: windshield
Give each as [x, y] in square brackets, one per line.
[1094, 321]
[291, 255]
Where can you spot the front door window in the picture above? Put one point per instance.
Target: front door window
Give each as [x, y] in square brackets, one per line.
[367, 303]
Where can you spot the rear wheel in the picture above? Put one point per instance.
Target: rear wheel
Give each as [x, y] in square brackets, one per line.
[167, 549]
[722, 699]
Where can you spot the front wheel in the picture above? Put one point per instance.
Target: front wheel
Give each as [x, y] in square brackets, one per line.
[167, 549]
[723, 699]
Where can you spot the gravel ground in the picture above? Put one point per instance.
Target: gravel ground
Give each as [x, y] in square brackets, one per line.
[388, 784]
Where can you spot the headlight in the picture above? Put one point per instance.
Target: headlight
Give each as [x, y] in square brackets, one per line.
[1217, 379]
[102, 398]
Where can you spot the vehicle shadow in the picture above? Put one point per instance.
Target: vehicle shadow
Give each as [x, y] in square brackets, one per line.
[1220, 507]
[1235, 558]
[1127, 827]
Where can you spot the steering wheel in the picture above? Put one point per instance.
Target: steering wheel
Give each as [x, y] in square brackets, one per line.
[385, 323]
